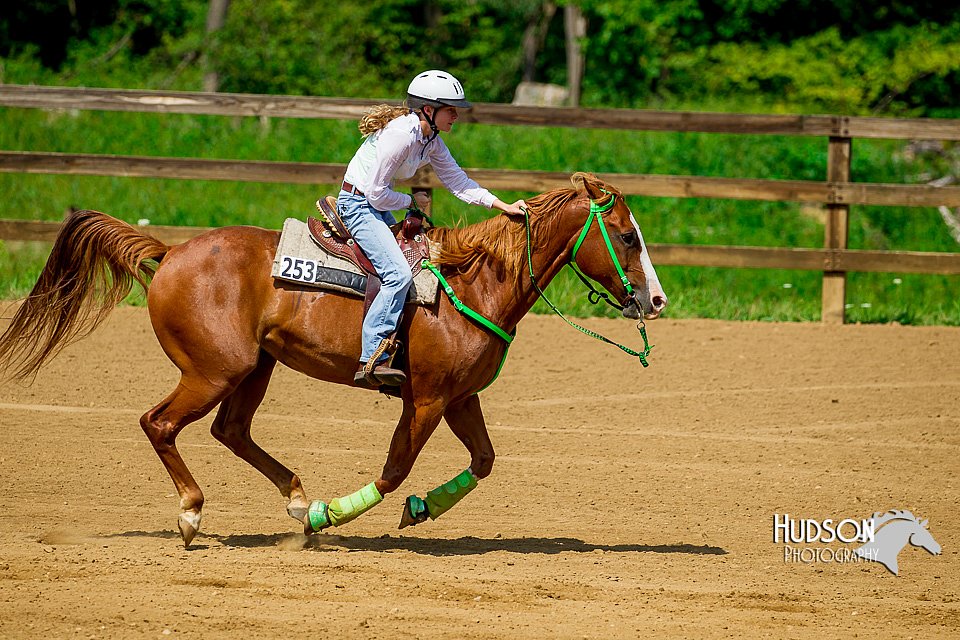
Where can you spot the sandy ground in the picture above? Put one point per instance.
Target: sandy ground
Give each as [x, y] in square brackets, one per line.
[624, 502]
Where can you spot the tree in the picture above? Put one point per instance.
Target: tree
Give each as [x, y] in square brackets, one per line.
[216, 18]
[575, 29]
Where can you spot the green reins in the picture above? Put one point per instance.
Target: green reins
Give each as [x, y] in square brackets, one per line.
[594, 296]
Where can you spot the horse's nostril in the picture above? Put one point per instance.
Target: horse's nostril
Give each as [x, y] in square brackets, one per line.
[658, 302]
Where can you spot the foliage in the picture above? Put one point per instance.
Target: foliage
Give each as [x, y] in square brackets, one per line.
[120, 43]
[363, 49]
[788, 56]
[802, 55]
[841, 56]
[846, 76]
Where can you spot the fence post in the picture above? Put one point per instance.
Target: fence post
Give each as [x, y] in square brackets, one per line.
[832, 306]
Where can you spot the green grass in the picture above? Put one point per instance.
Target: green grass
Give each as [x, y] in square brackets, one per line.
[694, 292]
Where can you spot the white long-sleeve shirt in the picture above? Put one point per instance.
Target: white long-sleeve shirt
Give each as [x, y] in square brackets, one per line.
[395, 153]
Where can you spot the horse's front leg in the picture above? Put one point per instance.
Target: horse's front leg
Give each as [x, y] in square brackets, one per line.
[417, 424]
[466, 421]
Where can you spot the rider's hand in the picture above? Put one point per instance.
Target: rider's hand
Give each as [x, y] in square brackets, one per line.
[422, 200]
[515, 209]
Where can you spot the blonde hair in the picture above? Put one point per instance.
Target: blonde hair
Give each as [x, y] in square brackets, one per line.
[378, 117]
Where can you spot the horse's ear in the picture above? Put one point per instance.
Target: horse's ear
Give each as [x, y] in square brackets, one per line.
[589, 183]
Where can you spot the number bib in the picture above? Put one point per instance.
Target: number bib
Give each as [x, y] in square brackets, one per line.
[299, 269]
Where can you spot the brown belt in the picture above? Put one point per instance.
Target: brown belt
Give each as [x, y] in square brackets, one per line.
[349, 188]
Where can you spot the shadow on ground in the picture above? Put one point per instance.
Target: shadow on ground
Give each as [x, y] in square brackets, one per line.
[468, 545]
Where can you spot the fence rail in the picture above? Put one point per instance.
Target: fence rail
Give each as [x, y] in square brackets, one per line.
[515, 180]
[837, 193]
[666, 254]
[241, 104]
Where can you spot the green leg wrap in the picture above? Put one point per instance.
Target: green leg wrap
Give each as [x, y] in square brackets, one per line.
[448, 494]
[343, 510]
[317, 517]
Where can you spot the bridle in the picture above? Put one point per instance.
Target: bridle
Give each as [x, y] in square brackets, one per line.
[596, 213]
[596, 295]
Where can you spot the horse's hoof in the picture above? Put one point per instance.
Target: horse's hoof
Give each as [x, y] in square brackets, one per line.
[189, 524]
[316, 518]
[297, 513]
[414, 512]
[297, 509]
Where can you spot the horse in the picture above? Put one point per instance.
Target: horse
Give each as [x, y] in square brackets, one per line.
[225, 322]
[901, 527]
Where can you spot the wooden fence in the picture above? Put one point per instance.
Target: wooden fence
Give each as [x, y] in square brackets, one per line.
[837, 193]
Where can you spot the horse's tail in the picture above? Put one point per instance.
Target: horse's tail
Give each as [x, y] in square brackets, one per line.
[93, 265]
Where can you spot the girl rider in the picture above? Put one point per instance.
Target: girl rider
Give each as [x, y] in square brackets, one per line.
[400, 140]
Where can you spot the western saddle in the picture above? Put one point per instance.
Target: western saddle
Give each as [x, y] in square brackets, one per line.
[331, 234]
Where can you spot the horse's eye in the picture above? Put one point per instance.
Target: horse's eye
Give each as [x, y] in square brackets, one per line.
[629, 238]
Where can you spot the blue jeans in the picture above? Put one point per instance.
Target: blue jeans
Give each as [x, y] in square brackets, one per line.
[371, 229]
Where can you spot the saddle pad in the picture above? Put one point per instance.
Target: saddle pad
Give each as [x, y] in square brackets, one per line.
[300, 260]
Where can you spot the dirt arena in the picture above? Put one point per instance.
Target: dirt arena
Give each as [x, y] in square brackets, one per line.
[624, 502]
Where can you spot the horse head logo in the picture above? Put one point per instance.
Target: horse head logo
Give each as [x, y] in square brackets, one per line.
[898, 528]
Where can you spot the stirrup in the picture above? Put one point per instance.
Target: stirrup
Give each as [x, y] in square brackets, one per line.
[372, 377]
[373, 373]
[362, 380]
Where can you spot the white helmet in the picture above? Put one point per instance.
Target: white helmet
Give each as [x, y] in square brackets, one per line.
[436, 88]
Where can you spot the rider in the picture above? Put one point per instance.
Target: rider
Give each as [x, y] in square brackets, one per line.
[400, 140]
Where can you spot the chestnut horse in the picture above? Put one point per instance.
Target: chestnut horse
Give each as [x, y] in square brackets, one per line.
[225, 323]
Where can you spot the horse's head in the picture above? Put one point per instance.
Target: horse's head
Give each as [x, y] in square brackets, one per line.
[610, 236]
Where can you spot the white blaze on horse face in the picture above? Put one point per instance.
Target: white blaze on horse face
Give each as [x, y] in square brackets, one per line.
[658, 299]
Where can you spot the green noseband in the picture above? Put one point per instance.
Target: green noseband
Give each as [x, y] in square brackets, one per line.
[596, 213]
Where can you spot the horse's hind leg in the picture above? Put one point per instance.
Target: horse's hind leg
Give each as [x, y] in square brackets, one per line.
[193, 398]
[232, 428]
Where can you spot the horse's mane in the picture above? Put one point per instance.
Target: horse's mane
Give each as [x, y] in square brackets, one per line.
[502, 238]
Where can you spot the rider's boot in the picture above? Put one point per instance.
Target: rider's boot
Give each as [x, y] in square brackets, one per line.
[372, 373]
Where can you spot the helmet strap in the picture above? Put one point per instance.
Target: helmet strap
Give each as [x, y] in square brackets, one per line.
[433, 126]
